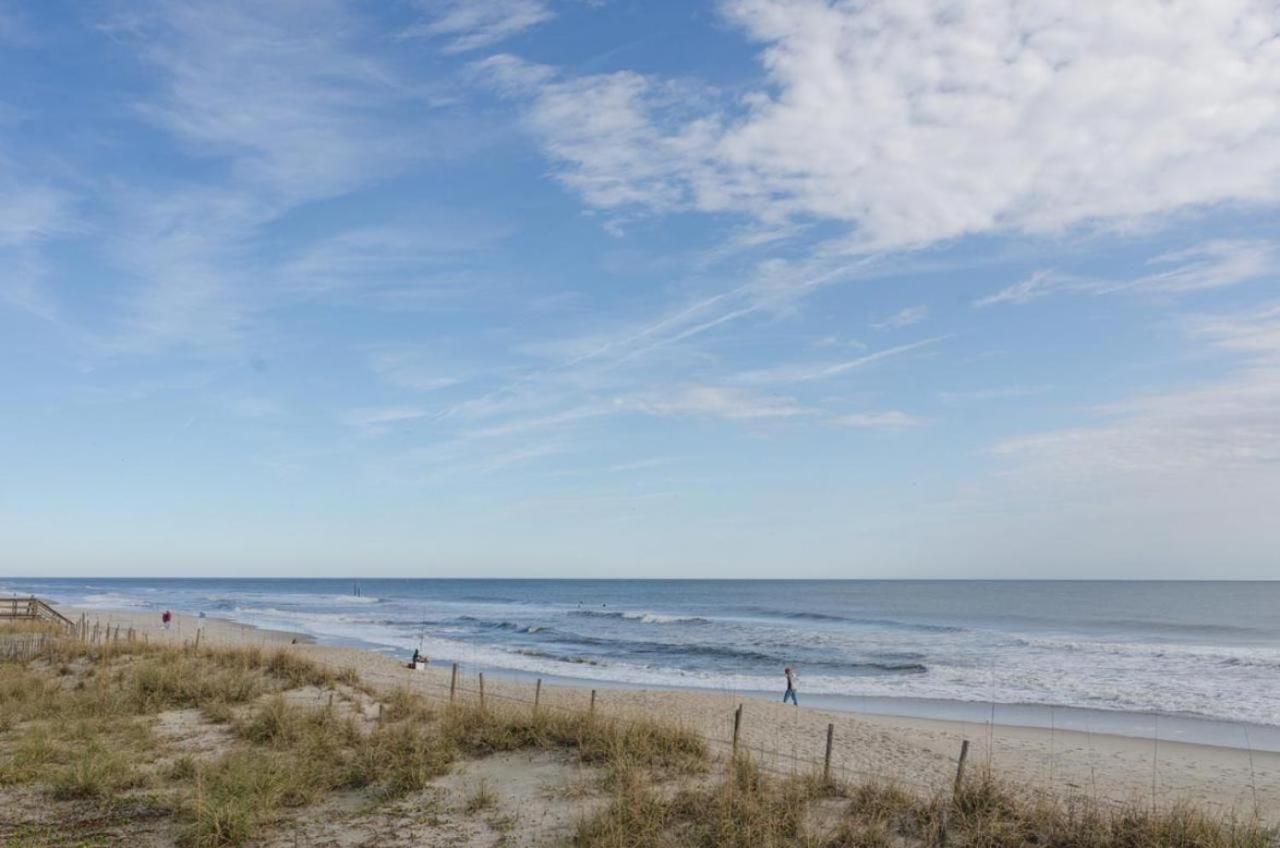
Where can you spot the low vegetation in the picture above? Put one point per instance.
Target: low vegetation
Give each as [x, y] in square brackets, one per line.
[79, 724]
[82, 726]
[749, 809]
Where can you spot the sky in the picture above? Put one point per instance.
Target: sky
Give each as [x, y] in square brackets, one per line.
[553, 288]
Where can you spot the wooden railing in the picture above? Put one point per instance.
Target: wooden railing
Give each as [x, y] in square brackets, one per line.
[32, 608]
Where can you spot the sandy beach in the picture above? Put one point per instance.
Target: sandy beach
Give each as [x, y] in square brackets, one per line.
[920, 753]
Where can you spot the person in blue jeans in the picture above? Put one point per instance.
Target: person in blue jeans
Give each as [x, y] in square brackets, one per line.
[791, 687]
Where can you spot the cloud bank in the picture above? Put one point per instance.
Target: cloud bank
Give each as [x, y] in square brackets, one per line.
[917, 122]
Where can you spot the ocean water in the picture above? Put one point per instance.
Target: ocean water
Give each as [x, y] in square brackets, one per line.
[1208, 650]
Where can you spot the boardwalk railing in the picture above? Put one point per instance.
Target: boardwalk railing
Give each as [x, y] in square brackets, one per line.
[32, 608]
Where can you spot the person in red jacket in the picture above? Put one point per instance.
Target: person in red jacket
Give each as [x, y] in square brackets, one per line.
[166, 618]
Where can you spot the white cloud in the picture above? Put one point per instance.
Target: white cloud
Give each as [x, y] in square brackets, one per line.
[825, 370]
[838, 341]
[602, 132]
[515, 456]
[913, 123]
[993, 393]
[381, 416]
[1221, 427]
[1214, 264]
[31, 213]
[1177, 482]
[902, 318]
[1256, 333]
[22, 283]
[886, 420]
[718, 402]
[282, 109]
[640, 464]
[276, 89]
[473, 24]
[522, 424]
[1211, 265]
[414, 370]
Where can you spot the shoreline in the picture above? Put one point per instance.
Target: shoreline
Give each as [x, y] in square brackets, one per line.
[914, 751]
[1189, 728]
[1172, 727]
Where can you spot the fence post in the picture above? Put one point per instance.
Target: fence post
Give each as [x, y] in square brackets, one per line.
[964, 754]
[737, 723]
[482, 690]
[826, 761]
[592, 709]
[537, 695]
[955, 791]
[453, 682]
[1155, 757]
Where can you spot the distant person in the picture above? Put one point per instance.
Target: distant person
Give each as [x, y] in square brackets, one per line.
[791, 687]
[167, 618]
[418, 657]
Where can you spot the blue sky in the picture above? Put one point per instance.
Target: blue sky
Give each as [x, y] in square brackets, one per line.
[753, 288]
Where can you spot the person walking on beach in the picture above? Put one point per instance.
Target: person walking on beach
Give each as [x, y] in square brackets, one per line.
[791, 687]
[167, 618]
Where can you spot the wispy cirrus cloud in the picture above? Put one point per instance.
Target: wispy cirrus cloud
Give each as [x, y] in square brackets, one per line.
[806, 372]
[1222, 426]
[282, 109]
[1211, 265]
[891, 419]
[904, 317]
[32, 212]
[467, 25]
[991, 393]
[727, 402]
[380, 417]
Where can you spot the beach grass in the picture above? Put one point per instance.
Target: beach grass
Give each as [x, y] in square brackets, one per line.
[751, 809]
[81, 725]
[78, 723]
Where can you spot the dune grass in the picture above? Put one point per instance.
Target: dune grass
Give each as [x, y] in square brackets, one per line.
[749, 809]
[300, 754]
[77, 721]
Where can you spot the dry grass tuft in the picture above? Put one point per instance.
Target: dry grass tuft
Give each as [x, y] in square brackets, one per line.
[96, 771]
[482, 799]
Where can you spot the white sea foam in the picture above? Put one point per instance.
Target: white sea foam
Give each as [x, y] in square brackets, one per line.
[656, 618]
[1075, 672]
[113, 600]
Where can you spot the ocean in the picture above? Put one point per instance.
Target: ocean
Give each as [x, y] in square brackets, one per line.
[1206, 653]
